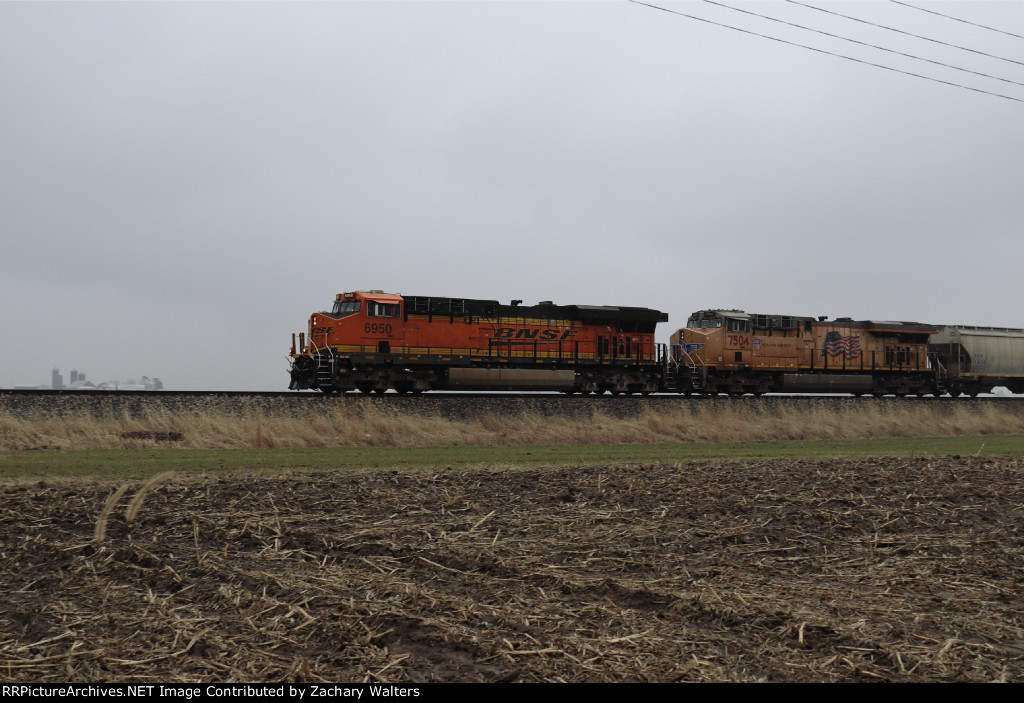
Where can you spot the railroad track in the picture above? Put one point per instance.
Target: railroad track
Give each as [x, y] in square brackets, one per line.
[26, 403]
[313, 396]
[450, 395]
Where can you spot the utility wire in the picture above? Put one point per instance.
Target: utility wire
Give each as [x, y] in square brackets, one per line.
[855, 41]
[823, 51]
[909, 34]
[950, 17]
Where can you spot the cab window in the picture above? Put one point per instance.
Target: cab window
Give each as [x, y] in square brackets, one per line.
[375, 309]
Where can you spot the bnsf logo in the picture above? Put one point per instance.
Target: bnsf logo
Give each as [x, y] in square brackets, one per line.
[321, 330]
[523, 333]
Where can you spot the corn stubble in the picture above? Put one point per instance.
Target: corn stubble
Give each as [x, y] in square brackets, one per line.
[842, 570]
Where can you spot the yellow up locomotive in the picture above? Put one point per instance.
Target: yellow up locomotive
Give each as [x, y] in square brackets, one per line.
[731, 351]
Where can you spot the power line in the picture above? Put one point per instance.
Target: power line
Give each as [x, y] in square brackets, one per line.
[855, 41]
[950, 17]
[823, 51]
[900, 31]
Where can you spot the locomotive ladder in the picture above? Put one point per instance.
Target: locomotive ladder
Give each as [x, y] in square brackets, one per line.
[941, 377]
[669, 369]
[698, 375]
[698, 370]
[695, 366]
[324, 367]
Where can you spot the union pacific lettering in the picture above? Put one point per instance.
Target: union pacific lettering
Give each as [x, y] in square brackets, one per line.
[548, 335]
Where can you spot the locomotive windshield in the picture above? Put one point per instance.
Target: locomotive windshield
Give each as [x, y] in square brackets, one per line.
[348, 307]
[697, 321]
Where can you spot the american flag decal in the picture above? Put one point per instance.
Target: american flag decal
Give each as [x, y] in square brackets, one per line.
[836, 345]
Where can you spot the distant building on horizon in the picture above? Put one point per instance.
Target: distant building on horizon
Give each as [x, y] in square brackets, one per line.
[78, 382]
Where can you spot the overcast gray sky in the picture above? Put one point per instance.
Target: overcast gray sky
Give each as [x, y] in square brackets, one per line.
[182, 184]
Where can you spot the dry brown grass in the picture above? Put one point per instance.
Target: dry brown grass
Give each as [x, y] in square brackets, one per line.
[362, 427]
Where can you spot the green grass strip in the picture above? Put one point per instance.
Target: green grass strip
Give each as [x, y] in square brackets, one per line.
[140, 464]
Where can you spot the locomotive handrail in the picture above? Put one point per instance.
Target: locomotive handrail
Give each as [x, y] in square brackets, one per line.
[504, 350]
[898, 362]
[665, 356]
[677, 356]
[690, 357]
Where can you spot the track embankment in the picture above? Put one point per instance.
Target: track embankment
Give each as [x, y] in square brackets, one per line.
[22, 403]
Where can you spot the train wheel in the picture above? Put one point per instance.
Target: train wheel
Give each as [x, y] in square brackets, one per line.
[365, 390]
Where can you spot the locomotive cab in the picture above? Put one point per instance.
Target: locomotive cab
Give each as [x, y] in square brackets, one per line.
[710, 336]
[362, 321]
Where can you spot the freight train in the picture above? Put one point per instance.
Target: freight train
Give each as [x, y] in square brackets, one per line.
[374, 342]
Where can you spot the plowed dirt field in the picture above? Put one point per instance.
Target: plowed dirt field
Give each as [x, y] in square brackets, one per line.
[871, 570]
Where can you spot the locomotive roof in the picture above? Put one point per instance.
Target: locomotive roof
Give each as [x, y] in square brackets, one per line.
[899, 324]
[492, 308]
[788, 320]
[601, 312]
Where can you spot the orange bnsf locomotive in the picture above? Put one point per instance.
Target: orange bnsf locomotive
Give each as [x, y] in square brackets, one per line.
[375, 341]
